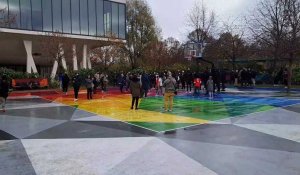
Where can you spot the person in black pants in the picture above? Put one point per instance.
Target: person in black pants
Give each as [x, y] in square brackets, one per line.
[65, 83]
[135, 89]
[76, 85]
[145, 84]
[4, 89]
[89, 87]
[189, 80]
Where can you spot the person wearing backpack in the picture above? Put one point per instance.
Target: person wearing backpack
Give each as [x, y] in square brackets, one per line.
[170, 91]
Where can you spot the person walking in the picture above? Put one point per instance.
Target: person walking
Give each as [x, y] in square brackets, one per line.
[4, 89]
[158, 85]
[65, 83]
[121, 82]
[210, 87]
[105, 82]
[89, 87]
[145, 84]
[135, 89]
[170, 90]
[76, 85]
[96, 82]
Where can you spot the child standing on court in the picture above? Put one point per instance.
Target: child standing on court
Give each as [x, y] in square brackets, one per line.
[210, 87]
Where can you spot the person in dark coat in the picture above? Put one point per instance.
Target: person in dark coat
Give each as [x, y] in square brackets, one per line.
[76, 85]
[135, 89]
[145, 84]
[4, 89]
[65, 83]
[89, 87]
[121, 82]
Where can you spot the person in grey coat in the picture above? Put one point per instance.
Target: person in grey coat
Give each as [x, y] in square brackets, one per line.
[170, 91]
[210, 87]
[135, 89]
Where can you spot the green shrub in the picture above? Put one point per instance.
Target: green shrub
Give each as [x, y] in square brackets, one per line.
[11, 74]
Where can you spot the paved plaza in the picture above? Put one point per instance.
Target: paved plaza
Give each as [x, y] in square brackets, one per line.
[239, 132]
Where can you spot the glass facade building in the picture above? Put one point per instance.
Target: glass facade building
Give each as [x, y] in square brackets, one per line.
[100, 18]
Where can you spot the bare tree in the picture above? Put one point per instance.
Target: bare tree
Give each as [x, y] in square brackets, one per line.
[277, 25]
[56, 49]
[107, 56]
[292, 38]
[267, 24]
[5, 19]
[201, 22]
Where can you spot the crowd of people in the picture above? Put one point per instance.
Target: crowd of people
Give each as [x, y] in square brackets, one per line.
[165, 83]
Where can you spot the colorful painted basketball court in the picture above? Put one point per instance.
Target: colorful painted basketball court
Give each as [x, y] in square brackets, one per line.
[240, 132]
[188, 110]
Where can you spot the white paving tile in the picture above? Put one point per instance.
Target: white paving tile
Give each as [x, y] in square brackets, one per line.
[95, 119]
[44, 105]
[80, 156]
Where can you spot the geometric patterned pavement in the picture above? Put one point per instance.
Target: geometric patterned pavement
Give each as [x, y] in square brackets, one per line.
[39, 136]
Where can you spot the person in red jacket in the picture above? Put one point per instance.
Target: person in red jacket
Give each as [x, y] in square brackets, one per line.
[197, 85]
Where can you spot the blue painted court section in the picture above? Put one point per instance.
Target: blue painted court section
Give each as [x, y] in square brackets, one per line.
[228, 98]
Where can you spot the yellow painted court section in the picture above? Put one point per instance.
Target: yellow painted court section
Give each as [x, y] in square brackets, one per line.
[117, 107]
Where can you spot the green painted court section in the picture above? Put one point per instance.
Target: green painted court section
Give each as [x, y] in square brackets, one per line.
[199, 109]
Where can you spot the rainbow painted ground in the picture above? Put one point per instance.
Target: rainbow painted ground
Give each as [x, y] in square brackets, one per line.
[188, 110]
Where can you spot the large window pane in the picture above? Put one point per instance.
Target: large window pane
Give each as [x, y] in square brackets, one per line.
[57, 24]
[37, 19]
[115, 19]
[4, 14]
[122, 23]
[75, 16]
[66, 16]
[92, 17]
[107, 18]
[14, 13]
[84, 24]
[26, 14]
[100, 25]
[47, 15]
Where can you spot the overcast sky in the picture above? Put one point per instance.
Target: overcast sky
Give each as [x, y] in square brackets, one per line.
[170, 15]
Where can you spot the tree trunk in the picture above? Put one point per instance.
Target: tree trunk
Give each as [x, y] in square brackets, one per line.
[233, 63]
[290, 72]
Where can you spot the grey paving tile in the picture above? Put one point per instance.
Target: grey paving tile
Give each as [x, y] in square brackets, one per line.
[236, 160]
[290, 132]
[6, 136]
[14, 159]
[294, 108]
[157, 157]
[57, 113]
[91, 130]
[234, 135]
[276, 116]
[81, 114]
[22, 127]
